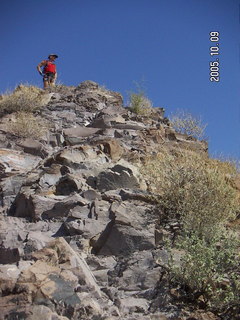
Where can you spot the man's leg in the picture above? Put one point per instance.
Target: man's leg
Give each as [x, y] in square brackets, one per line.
[45, 81]
[45, 84]
[52, 81]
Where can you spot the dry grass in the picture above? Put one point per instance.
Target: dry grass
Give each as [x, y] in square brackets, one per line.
[26, 125]
[23, 99]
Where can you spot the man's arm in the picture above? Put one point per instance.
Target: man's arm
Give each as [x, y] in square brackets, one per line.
[41, 64]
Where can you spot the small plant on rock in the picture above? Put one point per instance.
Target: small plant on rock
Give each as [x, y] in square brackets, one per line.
[139, 103]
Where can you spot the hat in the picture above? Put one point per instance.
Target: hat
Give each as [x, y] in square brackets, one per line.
[53, 54]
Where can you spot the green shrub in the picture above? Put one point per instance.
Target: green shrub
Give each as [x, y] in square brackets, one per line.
[23, 98]
[193, 189]
[196, 191]
[186, 123]
[210, 270]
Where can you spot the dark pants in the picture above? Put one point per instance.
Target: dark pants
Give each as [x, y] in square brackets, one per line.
[49, 76]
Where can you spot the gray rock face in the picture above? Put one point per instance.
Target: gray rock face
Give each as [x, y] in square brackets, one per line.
[36, 207]
[67, 185]
[91, 96]
[116, 178]
[34, 147]
[79, 238]
[76, 135]
[125, 239]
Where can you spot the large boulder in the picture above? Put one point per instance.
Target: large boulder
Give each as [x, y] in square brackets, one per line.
[34, 147]
[126, 232]
[36, 207]
[117, 177]
[124, 240]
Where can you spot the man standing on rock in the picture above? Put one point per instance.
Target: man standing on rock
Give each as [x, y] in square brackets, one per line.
[49, 71]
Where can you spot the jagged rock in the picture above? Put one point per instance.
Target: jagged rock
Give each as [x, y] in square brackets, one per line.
[90, 195]
[10, 186]
[130, 125]
[88, 228]
[12, 232]
[13, 161]
[44, 313]
[36, 240]
[141, 195]
[130, 305]
[89, 221]
[104, 121]
[34, 147]
[117, 177]
[49, 180]
[18, 234]
[123, 240]
[36, 207]
[70, 260]
[71, 158]
[123, 214]
[67, 185]
[90, 95]
[8, 255]
[113, 149]
[138, 275]
[55, 278]
[75, 136]
[100, 263]
[84, 158]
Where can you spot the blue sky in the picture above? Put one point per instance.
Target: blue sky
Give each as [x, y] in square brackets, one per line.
[165, 43]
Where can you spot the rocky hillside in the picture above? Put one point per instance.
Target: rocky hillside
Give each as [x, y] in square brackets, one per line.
[79, 235]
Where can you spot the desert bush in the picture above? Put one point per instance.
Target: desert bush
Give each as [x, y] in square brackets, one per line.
[195, 190]
[138, 102]
[23, 98]
[186, 123]
[26, 125]
[210, 270]
[192, 189]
